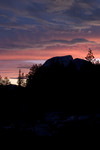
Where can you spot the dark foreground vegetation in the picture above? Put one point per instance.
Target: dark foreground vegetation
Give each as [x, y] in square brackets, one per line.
[59, 99]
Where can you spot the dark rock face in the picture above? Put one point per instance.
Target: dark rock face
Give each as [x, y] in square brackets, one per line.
[64, 83]
[64, 60]
[79, 63]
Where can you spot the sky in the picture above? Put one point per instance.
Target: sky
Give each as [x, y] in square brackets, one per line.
[40, 29]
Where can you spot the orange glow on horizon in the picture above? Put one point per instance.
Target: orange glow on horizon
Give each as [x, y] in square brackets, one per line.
[77, 51]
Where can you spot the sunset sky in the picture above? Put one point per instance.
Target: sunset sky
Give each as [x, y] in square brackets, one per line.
[40, 29]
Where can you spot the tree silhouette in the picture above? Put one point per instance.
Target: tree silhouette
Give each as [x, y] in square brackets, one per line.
[31, 74]
[90, 55]
[21, 79]
[1, 80]
[6, 81]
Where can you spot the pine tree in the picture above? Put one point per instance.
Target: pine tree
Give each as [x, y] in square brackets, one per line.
[23, 83]
[19, 78]
[90, 55]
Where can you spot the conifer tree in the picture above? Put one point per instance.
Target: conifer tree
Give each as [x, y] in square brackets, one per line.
[90, 55]
[21, 79]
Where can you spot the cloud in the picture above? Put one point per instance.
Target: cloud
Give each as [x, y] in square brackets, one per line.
[72, 42]
[24, 66]
[83, 13]
[64, 44]
[9, 26]
[42, 45]
[47, 24]
[72, 13]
